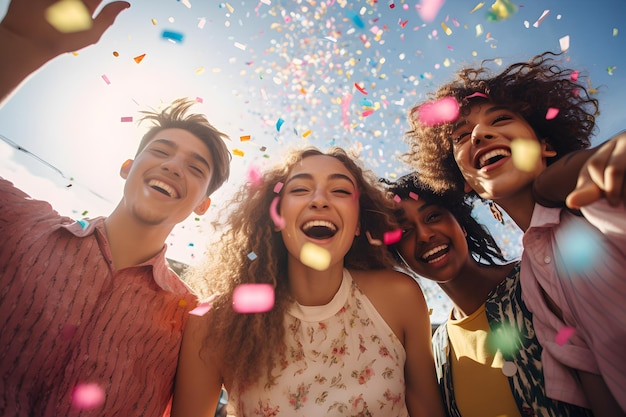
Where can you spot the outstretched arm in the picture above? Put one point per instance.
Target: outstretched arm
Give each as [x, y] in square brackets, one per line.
[28, 41]
[582, 177]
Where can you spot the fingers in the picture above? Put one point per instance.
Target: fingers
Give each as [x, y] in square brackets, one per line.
[106, 17]
[583, 195]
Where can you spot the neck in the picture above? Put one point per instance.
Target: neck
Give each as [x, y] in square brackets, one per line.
[519, 207]
[132, 242]
[311, 287]
[471, 287]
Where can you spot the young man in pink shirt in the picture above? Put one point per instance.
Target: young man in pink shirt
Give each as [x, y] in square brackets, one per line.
[91, 306]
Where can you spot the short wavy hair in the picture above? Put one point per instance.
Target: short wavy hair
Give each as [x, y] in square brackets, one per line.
[527, 88]
[249, 344]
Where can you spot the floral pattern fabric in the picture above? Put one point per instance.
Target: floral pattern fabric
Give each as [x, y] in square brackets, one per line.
[342, 360]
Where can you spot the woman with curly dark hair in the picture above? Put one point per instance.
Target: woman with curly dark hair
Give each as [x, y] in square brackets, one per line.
[443, 242]
[510, 127]
[347, 336]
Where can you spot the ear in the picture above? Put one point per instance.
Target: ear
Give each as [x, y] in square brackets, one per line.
[546, 149]
[466, 187]
[203, 206]
[125, 168]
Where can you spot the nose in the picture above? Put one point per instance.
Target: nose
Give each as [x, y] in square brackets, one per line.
[425, 233]
[479, 133]
[174, 166]
[319, 199]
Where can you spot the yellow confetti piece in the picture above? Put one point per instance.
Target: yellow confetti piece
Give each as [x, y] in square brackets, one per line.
[69, 16]
[237, 152]
[615, 31]
[199, 70]
[525, 154]
[230, 8]
[479, 30]
[315, 257]
[182, 303]
[307, 133]
[446, 29]
[154, 22]
[478, 6]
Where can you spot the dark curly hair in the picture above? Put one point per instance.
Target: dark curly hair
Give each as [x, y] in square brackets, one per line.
[527, 88]
[479, 241]
[246, 345]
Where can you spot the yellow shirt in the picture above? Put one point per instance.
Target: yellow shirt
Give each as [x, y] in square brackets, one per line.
[481, 389]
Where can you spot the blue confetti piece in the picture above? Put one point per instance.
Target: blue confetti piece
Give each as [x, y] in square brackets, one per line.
[358, 22]
[279, 123]
[580, 249]
[83, 223]
[252, 256]
[177, 37]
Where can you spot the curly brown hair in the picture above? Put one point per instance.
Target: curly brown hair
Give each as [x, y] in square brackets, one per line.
[527, 88]
[249, 344]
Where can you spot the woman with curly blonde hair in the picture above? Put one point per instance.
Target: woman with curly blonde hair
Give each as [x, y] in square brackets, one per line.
[520, 140]
[347, 336]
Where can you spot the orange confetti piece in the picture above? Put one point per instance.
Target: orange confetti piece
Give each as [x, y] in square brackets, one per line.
[139, 58]
[244, 138]
[116, 54]
[361, 89]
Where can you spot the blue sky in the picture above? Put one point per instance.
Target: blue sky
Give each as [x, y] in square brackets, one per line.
[254, 62]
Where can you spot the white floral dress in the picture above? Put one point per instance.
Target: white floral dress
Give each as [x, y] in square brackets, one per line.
[342, 360]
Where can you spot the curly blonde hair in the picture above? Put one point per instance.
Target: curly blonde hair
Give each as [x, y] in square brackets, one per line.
[527, 88]
[248, 345]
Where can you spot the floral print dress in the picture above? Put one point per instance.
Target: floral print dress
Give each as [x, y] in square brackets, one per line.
[342, 360]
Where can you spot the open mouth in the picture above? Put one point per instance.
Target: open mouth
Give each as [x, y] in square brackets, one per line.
[435, 254]
[492, 157]
[319, 229]
[163, 188]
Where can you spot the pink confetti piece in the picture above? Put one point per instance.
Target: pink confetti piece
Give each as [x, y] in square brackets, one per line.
[367, 113]
[413, 195]
[201, 309]
[87, 396]
[444, 110]
[126, 119]
[563, 335]
[253, 298]
[254, 175]
[397, 198]
[371, 240]
[552, 113]
[389, 238]
[106, 79]
[541, 18]
[361, 89]
[428, 9]
[574, 75]
[278, 187]
[279, 222]
[477, 94]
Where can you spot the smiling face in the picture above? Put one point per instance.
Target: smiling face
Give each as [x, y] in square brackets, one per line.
[168, 179]
[482, 150]
[320, 205]
[433, 243]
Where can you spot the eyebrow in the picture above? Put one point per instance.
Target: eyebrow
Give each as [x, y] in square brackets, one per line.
[336, 176]
[194, 155]
[487, 112]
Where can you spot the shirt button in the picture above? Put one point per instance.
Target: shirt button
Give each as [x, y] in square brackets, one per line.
[547, 260]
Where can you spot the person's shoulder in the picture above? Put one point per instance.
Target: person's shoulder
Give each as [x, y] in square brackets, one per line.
[386, 280]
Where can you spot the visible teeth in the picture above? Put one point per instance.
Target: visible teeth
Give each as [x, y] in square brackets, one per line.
[164, 187]
[433, 251]
[491, 154]
[324, 223]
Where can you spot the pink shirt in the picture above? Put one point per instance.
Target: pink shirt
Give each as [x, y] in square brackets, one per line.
[589, 286]
[69, 319]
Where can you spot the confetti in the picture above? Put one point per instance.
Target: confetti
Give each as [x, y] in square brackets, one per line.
[106, 79]
[116, 54]
[552, 113]
[201, 309]
[397, 198]
[279, 124]
[371, 240]
[500, 10]
[509, 368]
[83, 223]
[237, 152]
[389, 238]
[504, 338]
[279, 222]
[278, 187]
[244, 138]
[315, 256]
[356, 19]
[563, 335]
[87, 396]
[126, 119]
[574, 76]
[254, 175]
[252, 256]
[444, 110]
[413, 195]
[579, 249]
[68, 16]
[564, 43]
[541, 18]
[172, 36]
[307, 133]
[139, 58]
[526, 154]
[428, 9]
[361, 89]
[253, 298]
